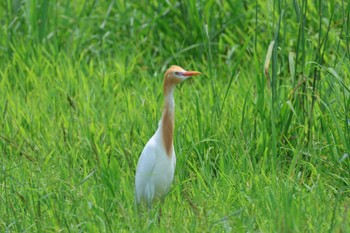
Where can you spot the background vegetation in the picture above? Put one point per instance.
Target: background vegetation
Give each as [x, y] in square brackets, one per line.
[262, 138]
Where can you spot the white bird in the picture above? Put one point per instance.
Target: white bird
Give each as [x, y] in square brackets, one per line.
[156, 165]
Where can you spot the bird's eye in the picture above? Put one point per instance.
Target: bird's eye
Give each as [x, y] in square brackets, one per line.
[177, 73]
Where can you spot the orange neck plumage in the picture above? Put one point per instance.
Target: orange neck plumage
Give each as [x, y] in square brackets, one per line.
[168, 129]
[168, 116]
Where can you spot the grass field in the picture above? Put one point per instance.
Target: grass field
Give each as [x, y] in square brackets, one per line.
[262, 137]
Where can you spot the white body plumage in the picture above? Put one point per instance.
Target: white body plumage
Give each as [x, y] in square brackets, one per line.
[155, 170]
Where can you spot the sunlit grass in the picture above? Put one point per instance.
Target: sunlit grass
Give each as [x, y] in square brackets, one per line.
[261, 145]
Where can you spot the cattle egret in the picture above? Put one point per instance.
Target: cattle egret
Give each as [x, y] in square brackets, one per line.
[156, 165]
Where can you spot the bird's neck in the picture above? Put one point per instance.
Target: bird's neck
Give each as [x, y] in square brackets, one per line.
[168, 122]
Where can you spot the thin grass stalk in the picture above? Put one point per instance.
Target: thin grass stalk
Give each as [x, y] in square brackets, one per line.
[44, 20]
[274, 110]
[256, 28]
[302, 43]
[300, 20]
[324, 42]
[316, 75]
[347, 25]
[341, 35]
[9, 30]
[210, 60]
[300, 53]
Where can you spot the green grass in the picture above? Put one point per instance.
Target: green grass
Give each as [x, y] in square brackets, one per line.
[262, 139]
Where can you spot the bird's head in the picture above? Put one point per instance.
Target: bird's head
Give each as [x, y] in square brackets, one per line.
[175, 75]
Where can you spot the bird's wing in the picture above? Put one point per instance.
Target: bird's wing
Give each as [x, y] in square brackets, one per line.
[144, 170]
[146, 161]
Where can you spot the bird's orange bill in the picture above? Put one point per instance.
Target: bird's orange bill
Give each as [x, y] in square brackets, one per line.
[190, 73]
